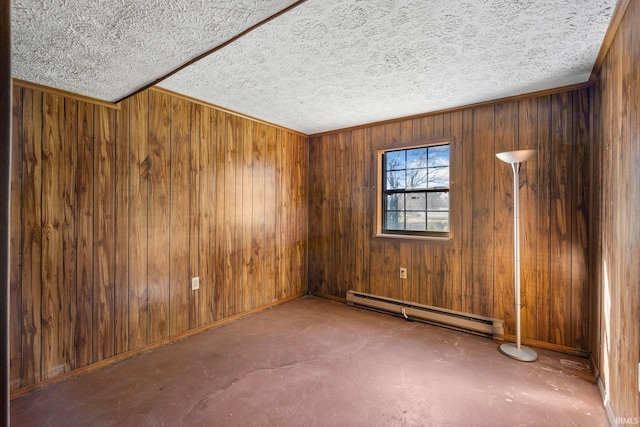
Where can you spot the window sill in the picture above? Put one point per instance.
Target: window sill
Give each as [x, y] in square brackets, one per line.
[434, 239]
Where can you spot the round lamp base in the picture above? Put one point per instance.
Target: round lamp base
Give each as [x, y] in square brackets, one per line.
[523, 353]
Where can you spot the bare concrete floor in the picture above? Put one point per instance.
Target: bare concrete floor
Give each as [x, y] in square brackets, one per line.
[314, 362]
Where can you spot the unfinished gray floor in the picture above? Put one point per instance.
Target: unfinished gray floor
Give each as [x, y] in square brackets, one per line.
[314, 362]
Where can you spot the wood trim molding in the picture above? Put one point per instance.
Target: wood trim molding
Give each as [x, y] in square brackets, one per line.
[215, 49]
[19, 392]
[553, 347]
[64, 93]
[463, 107]
[226, 110]
[327, 296]
[612, 30]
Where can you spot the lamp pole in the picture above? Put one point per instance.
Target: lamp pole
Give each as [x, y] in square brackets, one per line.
[515, 159]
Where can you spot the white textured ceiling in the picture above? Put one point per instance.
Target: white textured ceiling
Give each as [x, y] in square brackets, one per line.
[324, 65]
[107, 49]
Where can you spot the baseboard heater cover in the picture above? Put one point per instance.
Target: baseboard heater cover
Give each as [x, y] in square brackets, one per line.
[466, 322]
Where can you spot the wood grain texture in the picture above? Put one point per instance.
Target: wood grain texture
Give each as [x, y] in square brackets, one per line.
[474, 271]
[69, 231]
[15, 258]
[561, 217]
[104, 236]
[118, 209]
[614, 232]
[179, 236]
[138, 243]
[159, 262]
[121, 238]
[84, 281]
[31, 238]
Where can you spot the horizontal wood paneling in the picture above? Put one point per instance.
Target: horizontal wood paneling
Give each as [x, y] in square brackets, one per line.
[114, 210]
[614, 231]
[473, 272]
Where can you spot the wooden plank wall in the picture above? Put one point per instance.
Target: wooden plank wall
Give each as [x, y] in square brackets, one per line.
[113, 211]
[614, 267]
[474, 272]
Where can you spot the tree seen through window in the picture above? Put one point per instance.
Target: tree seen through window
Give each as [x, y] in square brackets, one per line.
[416, 190]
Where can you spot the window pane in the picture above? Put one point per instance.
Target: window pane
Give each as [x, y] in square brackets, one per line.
[395, 160]
[394, 220]
[416, 178]
[415, 193]
[416, 221]
[394, 202]
[438, 221]
[396, 180]
[416, 202]
[439, 177]
[438, 201]
[417, 158]
[439, 156]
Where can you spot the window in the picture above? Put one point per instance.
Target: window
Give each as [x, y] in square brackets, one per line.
[413, 190]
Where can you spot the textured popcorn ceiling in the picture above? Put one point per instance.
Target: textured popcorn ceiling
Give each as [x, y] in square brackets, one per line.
[330, 64]
[107, 49]
[324, 65]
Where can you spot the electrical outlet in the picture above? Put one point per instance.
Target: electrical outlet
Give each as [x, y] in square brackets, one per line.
[403, 273]
[195, 283]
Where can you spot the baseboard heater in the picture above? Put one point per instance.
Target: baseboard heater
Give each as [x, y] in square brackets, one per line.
[466, 322]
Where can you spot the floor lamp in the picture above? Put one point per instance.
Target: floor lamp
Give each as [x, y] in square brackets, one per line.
[516, 158]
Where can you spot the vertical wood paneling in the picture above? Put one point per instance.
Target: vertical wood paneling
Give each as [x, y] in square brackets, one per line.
[239, 280]
[282, 277]
[258, 214]
[104, 234]
[219, 210]
[362, 208]
[229, 228]
[466, 206]
[159, 214]
[474, 271]
[31, 237]
[579, 237]
[561, 217]
[179, 239]
[614, 186]
[53, 320]
[69, 232]
[115, 210]
[483, 211]
[246, 218]
[270, 218]
[209, 237]
[340, 217]
[196, 298]
[543, 237]
[139, 165]
[15, 245]
[84, 284]
[121, 274]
